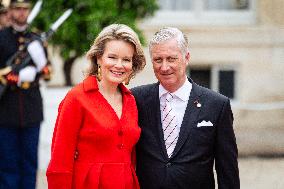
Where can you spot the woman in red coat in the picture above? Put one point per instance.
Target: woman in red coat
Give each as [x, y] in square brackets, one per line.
[97, 125]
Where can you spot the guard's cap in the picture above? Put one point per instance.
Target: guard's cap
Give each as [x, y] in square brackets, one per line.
[20, 3]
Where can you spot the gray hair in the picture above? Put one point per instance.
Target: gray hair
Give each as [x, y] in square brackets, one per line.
[168, 33]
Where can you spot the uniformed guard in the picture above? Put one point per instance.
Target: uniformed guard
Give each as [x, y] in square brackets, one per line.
[21, 108]
[4, 16]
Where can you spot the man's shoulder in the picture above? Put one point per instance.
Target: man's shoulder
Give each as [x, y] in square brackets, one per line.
[7, 41]
[143, 89]
[211, 94]
[4, 32]
[35, 34]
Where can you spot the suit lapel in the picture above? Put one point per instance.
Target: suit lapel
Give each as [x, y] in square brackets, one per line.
[190, 115]
[154, 102]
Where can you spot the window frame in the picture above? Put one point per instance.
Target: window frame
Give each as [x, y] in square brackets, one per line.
[200, 16]
[214, 79]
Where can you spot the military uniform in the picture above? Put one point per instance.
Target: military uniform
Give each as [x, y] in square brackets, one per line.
[21, 112]
[20, 107]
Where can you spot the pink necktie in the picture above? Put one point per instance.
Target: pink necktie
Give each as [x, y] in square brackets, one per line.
[169, 122]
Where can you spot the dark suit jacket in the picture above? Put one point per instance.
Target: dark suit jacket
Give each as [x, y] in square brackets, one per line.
[191, 165]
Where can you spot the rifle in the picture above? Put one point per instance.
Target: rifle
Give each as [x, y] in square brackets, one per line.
[34, 12]
[43, 37]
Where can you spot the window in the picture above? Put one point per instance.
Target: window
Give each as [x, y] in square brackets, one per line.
[175, 5]
[208, 4]
[204, 12]
[202, 77]
[227, 83]
[226, 4]
[219, 79]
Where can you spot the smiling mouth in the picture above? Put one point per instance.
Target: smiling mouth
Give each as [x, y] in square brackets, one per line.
[169, 74]
[117, 73]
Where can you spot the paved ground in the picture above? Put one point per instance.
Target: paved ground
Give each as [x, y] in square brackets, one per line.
[262, 173]
[255, 173]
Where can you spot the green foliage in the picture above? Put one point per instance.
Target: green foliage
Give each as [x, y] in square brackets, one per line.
[76, 35]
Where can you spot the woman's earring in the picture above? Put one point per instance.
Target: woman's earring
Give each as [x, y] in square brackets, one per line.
[99, 74]
[126, 82]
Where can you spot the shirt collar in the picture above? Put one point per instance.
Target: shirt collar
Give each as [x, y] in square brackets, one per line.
[162, 91]
[182, 93]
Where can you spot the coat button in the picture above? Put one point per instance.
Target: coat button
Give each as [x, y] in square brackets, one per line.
[120, 133]
[17, 61]
[21, 39]
[76, 154]
[120, 146]
[168, 164]
[21, 47]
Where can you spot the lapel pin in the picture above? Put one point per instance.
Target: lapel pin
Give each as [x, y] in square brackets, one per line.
[197, 103]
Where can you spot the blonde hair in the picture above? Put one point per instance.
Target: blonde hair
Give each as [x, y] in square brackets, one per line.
[116, 32]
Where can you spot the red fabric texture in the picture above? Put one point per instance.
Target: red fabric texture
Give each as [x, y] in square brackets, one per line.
[104, 143]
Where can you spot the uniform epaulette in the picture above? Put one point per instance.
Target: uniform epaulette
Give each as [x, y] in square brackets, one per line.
[36, 32]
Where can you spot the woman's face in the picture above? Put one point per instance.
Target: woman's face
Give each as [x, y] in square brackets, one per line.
[116, 61]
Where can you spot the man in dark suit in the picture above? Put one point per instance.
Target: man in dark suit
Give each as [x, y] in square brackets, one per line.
[186, 128]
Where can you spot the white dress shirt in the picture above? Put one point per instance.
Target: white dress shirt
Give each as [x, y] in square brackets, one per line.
[179, 103]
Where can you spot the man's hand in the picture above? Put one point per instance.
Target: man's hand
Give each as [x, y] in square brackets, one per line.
[46, 72]
[27, 74]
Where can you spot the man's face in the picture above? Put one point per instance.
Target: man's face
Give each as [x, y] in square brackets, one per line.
[3, 18]
[19, 15]
[169, 64]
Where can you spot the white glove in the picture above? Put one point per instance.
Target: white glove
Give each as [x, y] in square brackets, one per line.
[27, 74]
[37, 53]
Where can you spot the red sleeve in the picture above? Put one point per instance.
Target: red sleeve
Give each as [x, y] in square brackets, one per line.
[60, 170]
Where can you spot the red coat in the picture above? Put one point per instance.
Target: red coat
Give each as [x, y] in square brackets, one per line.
[88, 126]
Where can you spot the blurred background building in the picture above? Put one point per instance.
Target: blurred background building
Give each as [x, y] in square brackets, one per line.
[237, 49]
[6, 2]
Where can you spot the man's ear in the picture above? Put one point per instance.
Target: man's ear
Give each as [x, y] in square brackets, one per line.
[187, 57]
